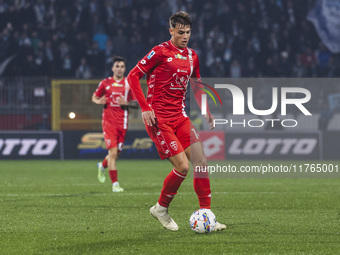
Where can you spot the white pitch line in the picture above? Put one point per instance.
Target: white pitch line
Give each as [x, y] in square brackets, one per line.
[60, 185]
[130, 194]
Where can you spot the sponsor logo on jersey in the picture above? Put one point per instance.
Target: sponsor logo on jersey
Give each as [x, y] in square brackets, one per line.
[117, 84]
[179, 56]
[169, 59]
[143, 62]
[151, 54]
[173, 145]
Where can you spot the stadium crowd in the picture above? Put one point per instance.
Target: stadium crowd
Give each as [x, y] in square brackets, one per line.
[245, 38]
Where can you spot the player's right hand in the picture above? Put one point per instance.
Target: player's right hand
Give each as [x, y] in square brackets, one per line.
[210, 119]
[102, 100]
[149, 118]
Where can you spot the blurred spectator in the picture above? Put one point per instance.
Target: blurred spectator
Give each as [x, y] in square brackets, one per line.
[308, 60]
[255, 33]
[66, 66]
[217, 68]
[251, 70]
[235, 69]
[30, 68]
[95, 56]
[120, 43]
[83, 71]
[323, 57]
[325, 117]
[101, 38]
[299, 70]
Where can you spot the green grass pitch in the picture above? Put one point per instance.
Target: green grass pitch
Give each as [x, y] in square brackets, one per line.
[59, 207]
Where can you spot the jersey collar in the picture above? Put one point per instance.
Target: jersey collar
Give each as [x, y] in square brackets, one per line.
[118, 81]
[179, 49]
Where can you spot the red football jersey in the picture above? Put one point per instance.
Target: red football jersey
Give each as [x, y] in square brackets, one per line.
[112, 90]
[168, 69]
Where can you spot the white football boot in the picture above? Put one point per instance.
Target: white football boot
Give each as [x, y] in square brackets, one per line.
[161, 214]
[219, 226]
[101, 173]
[116, 187]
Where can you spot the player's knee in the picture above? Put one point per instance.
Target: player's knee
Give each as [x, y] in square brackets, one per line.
[184, 168]
[113, 155]
[202, 162]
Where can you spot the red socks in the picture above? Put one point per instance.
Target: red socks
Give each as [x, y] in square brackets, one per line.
[113, 175]
[174, 180]
[170, 186]
[104, 163]
[202, 189]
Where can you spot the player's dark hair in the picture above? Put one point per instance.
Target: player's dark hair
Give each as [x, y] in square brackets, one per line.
[118, 59]
[180, 18]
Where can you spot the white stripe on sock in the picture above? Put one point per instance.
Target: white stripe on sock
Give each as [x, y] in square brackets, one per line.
[176, 173]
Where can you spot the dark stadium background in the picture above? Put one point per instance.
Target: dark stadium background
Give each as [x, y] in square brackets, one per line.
[247, 38]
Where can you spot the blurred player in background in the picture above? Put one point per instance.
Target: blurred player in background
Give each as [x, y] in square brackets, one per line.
[169, 67]
[116, 96]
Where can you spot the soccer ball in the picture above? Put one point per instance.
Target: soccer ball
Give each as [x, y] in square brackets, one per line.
[202, 221]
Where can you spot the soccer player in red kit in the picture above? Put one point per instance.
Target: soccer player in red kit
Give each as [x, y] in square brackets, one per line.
[168, 67]
[116, 96]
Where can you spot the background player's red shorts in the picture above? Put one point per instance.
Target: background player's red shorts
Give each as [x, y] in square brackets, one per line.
[172, 137]
[114, 137]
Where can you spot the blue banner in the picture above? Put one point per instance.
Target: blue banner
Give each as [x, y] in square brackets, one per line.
[325, 15]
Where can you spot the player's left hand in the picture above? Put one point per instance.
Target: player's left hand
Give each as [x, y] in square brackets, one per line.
[121, 101]
[149, 118]
[210, 119]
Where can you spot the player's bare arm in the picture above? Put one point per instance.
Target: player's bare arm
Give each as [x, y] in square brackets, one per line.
[98, 100]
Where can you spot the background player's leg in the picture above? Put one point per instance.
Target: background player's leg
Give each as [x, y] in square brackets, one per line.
[112, 157]
[101, 170]
[113, 152]
[105, 163]
[201, 179]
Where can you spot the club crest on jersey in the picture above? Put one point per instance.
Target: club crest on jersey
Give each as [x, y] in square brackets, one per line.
[173, 145]
[151, 54]
[179, 56]
[117, 85]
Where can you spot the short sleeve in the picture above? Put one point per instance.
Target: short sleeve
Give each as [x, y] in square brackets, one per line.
[100, 89]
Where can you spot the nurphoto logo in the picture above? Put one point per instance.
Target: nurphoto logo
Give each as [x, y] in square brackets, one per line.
[238, 102]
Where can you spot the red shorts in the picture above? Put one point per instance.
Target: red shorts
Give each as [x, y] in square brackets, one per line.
[114, 137]
[172, 137]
